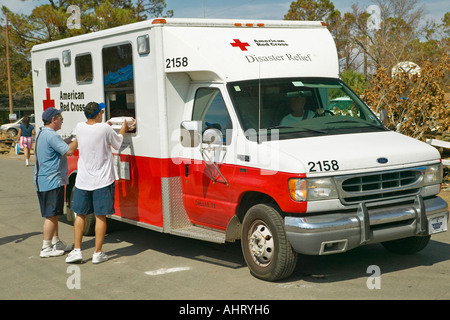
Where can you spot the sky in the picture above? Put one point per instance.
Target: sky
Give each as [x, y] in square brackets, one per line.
[241, 9]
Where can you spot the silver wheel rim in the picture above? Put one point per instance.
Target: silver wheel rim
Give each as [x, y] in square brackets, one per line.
[261, 243]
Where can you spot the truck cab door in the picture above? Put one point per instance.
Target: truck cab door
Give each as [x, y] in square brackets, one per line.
[206, 168]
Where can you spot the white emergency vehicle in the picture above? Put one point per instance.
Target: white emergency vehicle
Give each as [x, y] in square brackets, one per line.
[210, 158]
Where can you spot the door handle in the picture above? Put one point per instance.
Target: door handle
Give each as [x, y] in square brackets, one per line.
[186, 170]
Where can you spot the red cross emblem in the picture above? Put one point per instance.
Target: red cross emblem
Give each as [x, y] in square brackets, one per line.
[48, 102]
[241, 45]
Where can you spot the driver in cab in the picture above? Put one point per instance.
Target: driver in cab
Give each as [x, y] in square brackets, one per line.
[298, 112]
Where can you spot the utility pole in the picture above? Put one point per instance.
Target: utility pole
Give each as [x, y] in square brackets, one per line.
[8, 69]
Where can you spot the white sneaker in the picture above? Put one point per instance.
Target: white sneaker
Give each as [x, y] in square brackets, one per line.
[74, 256]
[62, 246]
[51, 252]
[99, 257]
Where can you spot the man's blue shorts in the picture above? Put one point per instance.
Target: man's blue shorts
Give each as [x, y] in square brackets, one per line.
[99, 201]
[51, 202]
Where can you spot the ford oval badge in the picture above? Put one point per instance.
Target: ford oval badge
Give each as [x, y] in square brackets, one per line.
[382, 160]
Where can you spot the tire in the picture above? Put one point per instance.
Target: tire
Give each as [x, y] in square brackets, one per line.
[12, 132]
[89, 227]
[70, 214]
[409, 245]
[265, 247]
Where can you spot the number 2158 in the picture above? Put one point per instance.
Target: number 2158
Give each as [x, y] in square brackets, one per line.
[326, 165]
[176, 62]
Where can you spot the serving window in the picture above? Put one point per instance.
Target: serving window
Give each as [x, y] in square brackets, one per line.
[118, 78]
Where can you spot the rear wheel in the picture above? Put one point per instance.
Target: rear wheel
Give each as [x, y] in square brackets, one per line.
[265, 247]
[89, 226]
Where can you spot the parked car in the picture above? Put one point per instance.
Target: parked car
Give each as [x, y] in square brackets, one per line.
[12, 129]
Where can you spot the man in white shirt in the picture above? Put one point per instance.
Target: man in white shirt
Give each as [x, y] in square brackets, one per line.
[94, 184]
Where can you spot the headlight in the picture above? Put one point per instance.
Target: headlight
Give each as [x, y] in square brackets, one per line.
[312, 189]
[433, 174]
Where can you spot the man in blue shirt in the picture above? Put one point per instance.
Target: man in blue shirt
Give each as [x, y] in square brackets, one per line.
[50, 176]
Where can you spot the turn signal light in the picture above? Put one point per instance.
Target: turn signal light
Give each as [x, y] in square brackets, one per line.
[155, 21]
[238, 24]
[297, 189]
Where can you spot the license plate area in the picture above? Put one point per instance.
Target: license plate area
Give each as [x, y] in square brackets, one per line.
[437, 224]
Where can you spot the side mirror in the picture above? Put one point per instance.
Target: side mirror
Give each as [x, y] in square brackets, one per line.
[383, 116]
[190, 134]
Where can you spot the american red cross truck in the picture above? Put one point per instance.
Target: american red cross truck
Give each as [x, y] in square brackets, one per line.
[244, 132]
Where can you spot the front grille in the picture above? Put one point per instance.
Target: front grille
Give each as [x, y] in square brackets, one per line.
[380, 186]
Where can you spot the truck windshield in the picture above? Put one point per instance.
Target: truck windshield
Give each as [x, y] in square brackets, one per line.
[300, 107]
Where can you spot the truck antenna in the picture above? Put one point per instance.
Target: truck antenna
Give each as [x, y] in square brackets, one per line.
[259, 102]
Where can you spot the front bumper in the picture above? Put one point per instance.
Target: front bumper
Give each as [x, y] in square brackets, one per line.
[338, 232]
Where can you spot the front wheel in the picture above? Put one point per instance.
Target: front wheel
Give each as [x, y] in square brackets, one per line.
[409, 245]
[12, 133]
[265, 247]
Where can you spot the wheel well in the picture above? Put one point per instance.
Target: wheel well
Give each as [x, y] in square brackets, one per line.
[249, 199]
[70, 186]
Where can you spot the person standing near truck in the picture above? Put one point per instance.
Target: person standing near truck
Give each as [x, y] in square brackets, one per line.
[94, 185]
[50, 176]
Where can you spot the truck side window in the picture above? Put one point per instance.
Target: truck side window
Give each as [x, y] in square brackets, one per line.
[210, 109]
[53, 72]
[118, 80]
[83, 68]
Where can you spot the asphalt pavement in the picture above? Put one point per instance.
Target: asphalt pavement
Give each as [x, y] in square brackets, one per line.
[145, 264]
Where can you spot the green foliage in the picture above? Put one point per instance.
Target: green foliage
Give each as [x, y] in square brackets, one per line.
[355, 80]
[311, 10]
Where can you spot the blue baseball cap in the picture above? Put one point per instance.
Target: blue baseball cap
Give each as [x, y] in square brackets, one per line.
[49, 113]
[100, 106]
